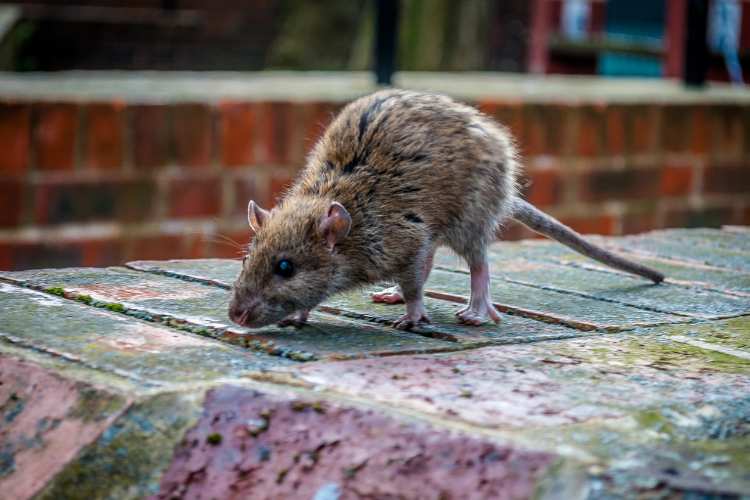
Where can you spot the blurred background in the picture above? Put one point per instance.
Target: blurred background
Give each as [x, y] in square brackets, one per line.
[140, 129]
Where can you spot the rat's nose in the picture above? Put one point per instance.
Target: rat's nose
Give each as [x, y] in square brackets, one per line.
[242, 313]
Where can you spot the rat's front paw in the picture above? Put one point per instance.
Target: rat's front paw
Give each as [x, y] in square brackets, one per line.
[297, 320]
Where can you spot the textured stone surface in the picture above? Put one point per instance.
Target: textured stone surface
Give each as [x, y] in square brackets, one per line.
[357, 304]
[202, 309]
[137, 350]
[131, 383]
[554, 306]
[249, 445]
[647, 406]
[45, 420]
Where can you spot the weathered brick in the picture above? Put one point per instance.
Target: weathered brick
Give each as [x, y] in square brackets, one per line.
[156, 247]
[544, 129]
[641, 131]
[595, 224]
[248, 188]
[616, 140]
[11, 202]
[55, 134]
[592, 137]
[507, 113]
[698, 217]
[192, 128]
[727, 179]
[677, 180]
[271, 140]
[639, 222]
[250, 444]
[544, 187]
[605, 185]
[150, 130]
[101, 252]
[727, 131]
[87, 201]
[35, 255]
[675, 128]
[237, 130]
[15, 133]
[104, 136]
[700, 131]
[194, 197]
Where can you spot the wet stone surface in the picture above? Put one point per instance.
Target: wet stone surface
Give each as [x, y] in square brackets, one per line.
[594, 385]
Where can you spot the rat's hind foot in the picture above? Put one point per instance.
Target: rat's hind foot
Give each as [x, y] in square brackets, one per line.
[415, 314]
[390, 295]
[476, 314]
[297, 320]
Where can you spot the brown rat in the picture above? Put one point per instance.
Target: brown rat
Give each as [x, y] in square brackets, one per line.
[396, 175]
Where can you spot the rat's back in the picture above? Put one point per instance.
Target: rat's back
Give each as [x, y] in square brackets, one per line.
[418, 162]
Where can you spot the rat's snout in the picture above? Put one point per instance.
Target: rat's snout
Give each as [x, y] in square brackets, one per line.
[244, 311]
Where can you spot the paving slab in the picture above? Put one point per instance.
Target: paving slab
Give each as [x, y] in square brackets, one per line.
[202, 309]
[545, 305]
[642, 406]
[620, 289]
[554, 306]
[357, 304]
[507, 256]
[662, 245]
[140, 351]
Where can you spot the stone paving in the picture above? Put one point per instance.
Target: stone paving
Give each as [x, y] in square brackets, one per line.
[130, 382]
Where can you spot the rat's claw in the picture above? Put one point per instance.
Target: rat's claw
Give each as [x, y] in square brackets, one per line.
[297, 320]
[407, 321]
[390, 295]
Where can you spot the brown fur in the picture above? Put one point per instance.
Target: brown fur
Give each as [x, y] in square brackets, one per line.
[415, 171]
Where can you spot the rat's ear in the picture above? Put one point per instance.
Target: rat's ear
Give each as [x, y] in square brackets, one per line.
[256, 216]
[335, 225]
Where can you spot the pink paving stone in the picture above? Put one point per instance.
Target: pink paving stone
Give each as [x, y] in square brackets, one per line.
[250, 445]
[544, 384]
[47, 420]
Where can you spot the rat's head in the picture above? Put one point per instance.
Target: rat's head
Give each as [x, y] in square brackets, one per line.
[290, 264]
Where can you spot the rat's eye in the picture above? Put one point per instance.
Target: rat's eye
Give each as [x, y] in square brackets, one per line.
[284, 268]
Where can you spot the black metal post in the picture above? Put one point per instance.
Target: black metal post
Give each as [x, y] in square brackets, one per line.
[385, 40]
[696, 46]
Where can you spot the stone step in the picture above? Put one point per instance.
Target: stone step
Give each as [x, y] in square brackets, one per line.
[202, 310]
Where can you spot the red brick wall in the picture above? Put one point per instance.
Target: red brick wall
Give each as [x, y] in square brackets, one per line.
[106, 182]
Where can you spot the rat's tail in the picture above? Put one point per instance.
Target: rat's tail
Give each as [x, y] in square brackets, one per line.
[542, 223]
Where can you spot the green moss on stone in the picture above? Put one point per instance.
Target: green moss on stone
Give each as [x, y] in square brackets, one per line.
[132, 453]
[86, 299]
[56, 290]
[115, 307]
[214, 439]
